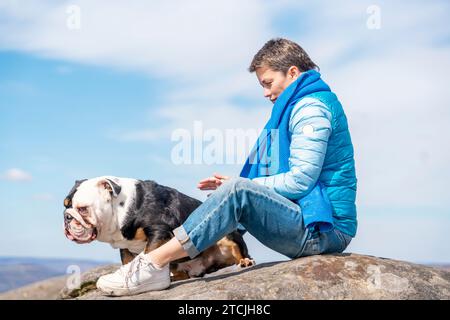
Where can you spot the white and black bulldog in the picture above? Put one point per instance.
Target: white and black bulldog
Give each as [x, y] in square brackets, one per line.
[135, 215]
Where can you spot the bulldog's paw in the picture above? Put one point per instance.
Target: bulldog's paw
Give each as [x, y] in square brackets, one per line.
[246, 262]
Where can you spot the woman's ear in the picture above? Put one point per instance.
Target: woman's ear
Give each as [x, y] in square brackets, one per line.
[293, 72]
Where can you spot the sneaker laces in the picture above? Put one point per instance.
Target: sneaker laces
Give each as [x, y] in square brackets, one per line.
[133, 267]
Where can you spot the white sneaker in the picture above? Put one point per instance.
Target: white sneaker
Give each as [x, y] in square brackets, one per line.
[138, 276]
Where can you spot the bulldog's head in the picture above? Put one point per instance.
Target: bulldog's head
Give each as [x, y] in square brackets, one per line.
[89, 208]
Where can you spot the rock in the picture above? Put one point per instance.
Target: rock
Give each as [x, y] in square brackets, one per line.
[341, 276]
[87, 282]
[338, 276]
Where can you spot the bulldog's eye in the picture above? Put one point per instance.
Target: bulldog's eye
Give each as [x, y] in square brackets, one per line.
[82, 210]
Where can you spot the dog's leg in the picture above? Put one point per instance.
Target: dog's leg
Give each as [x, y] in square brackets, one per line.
[126, 256]
[176, 274]
[246, 262]
[225, 253]
[193, 268]
[236, 253]
[156, 236]
[238, 249]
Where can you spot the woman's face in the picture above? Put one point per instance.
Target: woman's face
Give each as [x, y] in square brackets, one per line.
[274, 82]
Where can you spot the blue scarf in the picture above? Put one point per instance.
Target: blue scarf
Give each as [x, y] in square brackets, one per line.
[271, 152]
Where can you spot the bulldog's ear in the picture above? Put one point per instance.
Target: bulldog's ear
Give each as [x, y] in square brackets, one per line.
[113, 188]
[68, 199]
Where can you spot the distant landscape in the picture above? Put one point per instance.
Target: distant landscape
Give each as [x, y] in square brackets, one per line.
[18, 271]
[443, 266]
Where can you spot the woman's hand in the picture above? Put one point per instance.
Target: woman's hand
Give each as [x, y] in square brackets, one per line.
[212, 183]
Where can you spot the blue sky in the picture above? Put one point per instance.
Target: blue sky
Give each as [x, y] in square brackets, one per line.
[105, 98]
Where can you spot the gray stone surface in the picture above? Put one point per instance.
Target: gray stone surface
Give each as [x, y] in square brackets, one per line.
[340, 276]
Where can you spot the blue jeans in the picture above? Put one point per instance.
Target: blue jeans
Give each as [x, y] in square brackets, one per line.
[274, 220]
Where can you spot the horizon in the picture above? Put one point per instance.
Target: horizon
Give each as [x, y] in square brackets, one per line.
[426, 263]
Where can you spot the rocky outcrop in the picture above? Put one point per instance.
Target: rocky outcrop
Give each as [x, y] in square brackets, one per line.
[340, 276]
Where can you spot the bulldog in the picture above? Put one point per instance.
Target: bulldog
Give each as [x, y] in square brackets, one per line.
[135, 215]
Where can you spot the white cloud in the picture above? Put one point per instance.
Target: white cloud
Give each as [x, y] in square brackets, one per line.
[219, 89]
[392, 83]
[15, 174]
[220, 116]
[342, 36]
[404, 236]
[178, 39]
[223, 121]
[398, 113]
